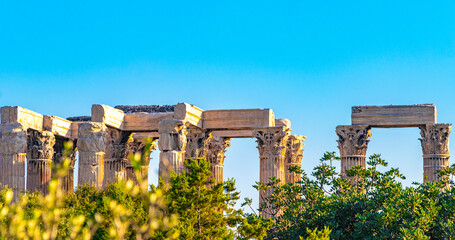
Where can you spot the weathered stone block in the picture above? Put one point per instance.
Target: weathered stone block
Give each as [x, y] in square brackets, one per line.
[394, 116]
[112, 117]
[238, 119]
[27, 118]
[188, 113]
[145, 121]
[57, 126]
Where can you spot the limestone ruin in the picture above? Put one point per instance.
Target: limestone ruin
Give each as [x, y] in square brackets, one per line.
[103, 141]
[353, 139]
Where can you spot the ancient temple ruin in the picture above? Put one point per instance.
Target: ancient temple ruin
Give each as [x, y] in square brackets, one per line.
[103, 141]
[353, 139]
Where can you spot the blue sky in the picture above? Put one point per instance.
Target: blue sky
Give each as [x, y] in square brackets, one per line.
[308, 61]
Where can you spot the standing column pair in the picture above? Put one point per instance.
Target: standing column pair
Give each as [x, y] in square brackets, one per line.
[353, 144]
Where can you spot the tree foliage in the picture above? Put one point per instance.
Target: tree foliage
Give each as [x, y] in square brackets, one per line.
[206, 210]
[364, 204]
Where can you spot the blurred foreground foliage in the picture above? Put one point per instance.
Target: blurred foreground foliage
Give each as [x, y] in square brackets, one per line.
[191, 206]
[364, 204]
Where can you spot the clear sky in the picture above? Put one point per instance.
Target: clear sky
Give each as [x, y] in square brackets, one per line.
[309, 61]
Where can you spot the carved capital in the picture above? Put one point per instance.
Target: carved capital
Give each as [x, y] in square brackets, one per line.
[435, 139]
[353, 140]
[197, 144]
[216, 149]
[294, 149]
[172, 135]
[92, 137]
[40, 145]
[117, 143]
[271, 141]
[13, 138]
[59, 151]
[138, 146]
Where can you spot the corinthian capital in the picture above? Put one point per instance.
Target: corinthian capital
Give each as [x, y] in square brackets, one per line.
[59, 151]
[216, 149]
[353, 140]
[92, 137]
[138, 146]
[40, 145]
[117, 144]
[13, 138]
[271, 141]
[435, 139]
[197, 144]
[172, 135]
[294, 149]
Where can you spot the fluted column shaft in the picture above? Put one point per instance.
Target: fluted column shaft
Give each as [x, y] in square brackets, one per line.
[272, 148]
[91, 145]
[435, 148]
[13, 172]
[353, 145]
[114, 170]
[294, 156]
[59, 155]
[13, 145]
[115, 160]
[172, 145]
[215, 154]
[40, 150]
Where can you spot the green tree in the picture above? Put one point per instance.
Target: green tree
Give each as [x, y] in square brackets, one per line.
[364, 204]
[206, 210]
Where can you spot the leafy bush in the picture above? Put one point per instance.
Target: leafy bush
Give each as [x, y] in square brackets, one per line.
[206, 210]
[366, 204]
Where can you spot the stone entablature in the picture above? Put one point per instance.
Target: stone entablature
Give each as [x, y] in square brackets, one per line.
[103, 140]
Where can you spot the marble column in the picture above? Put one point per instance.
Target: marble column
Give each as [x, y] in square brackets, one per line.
[435, 148]
[91, 144]
[13, 145]
[215, 154]
[40, 150]
[172, 145]
[138, 146]
[353, 145]
[272, 147]
[294, 154]
[59, 154]
[115, 160]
